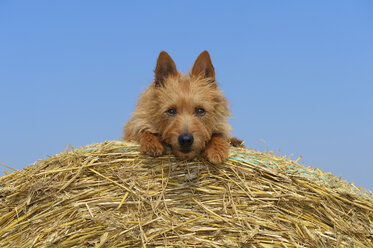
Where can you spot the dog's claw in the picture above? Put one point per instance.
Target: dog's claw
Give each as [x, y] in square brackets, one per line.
[236, 142]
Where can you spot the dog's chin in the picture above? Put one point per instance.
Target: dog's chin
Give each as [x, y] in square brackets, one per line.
[185, 154]
[186, 150]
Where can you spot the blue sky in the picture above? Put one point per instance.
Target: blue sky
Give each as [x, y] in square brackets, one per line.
[298, 74]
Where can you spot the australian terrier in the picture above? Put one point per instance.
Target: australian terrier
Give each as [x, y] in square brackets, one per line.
[187, 113]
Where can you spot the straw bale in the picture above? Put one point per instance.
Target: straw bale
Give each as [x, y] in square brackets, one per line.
[109, 195]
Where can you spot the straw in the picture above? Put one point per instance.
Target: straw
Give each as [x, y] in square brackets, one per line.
[109, 195]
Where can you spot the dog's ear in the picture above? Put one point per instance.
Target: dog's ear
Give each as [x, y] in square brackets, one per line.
[165, 67]
[204, 67]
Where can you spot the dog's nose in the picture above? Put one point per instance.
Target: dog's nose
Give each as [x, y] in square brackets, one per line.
[186, 139]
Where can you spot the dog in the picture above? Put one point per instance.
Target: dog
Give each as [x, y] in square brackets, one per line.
[185, 112]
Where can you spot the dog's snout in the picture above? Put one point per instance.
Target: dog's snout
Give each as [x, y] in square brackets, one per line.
[186, 139]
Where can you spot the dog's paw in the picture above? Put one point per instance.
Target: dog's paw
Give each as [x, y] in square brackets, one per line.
[217, 150]
[150, 145]
[236, 142]
[154, 150]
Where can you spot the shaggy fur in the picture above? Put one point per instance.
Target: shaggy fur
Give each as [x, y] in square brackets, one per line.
[189, 113]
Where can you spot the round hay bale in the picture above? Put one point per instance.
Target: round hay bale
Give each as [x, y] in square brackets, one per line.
[109, 195]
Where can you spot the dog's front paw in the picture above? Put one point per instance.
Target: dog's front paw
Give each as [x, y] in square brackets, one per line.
[217, 150]
[150, 145]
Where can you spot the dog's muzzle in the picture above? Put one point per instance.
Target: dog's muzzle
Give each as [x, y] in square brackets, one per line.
[185, 141]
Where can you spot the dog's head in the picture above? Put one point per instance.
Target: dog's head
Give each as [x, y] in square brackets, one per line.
[188, 110]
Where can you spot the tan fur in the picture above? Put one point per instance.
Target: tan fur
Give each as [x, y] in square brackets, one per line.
[153, 127]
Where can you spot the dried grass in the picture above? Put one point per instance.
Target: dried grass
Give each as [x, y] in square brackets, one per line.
[108, 195]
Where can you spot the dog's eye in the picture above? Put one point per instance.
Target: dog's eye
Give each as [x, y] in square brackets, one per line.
[200, 111]
[171, 112]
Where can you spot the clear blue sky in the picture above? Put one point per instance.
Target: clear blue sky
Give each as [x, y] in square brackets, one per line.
[298, 74]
